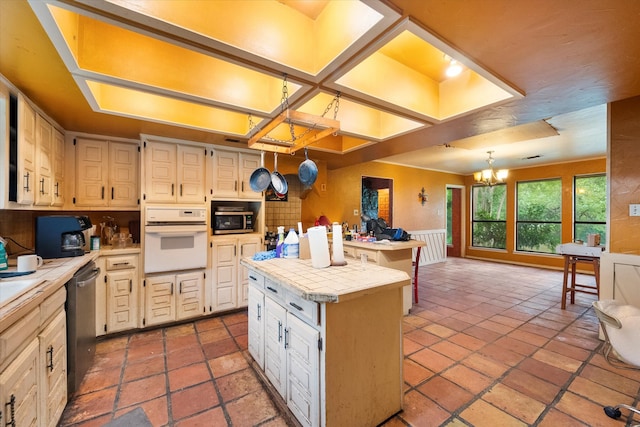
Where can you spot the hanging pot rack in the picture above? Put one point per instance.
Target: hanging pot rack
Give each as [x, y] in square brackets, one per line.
[315, 127]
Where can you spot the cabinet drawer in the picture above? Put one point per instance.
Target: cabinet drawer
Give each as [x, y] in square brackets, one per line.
[372, 256]
[53, 304]
[18, 333]
[120, 262]
[256, 279]
[349, 252]
[305, 310]
[274, 290]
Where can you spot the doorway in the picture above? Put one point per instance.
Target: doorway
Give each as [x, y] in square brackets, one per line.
[377, 199]
[454, 222]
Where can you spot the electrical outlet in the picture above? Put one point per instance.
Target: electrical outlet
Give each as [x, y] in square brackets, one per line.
[634, 209]
[323, 187]
[355, 212]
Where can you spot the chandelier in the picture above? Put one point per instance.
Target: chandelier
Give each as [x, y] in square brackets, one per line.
[489, 176]
[302, 129]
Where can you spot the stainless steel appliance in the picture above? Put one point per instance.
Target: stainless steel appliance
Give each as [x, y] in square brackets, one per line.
[231, 220]
[61, 236]
[81, 332]
[175, 238]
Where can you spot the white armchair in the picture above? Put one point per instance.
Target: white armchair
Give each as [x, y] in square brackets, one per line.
[621, 328]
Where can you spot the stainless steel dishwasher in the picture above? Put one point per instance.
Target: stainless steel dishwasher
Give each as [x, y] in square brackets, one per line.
[81, 319]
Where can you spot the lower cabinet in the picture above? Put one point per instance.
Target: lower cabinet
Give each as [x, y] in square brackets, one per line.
[33, 366]
[230, 282]
[171, 297]
[288, 343]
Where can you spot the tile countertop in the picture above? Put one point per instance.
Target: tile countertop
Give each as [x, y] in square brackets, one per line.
[385, 245]
[331, 284]
[54, 273]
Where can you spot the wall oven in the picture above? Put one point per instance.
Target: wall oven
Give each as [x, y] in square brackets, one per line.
[175, 238]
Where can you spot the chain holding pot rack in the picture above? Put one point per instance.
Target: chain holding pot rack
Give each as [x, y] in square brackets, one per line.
[315, 127]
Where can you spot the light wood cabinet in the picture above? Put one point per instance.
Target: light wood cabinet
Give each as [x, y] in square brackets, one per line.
[44, 162]
[33, 366]
[106, 174]
[172, 297]
[58, 185]
[230, 280]
[174, 173]
[53, 370]
[231, 173]
[26, 173]
[255, 314]
[117, 293]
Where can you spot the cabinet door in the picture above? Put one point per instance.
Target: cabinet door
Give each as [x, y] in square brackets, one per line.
[275, 351]
[191, 174]
[160, 305]
[160, 172]
[248, 247]
[190, 298]
[19, 388]
[58, 189]
[225, 274]
[26, 152]
[248, 164]
[44, 163]
[53, 370]
[225, 174]
[256, 325]
[92, 160]
[122, 297]
[123, 174]
[303, 362]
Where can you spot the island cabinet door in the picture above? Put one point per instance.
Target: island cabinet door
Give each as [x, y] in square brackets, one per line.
[275, 362]
[256, 325]
[303, 366]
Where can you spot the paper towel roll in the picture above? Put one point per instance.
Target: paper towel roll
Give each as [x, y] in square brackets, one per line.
[319, 247]
[338, 250]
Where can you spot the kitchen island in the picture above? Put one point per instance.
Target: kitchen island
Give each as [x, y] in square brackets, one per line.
[329, 340]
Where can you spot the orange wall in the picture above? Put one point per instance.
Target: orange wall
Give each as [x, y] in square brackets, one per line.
[565, 171]
[624, 177]
[343, 195]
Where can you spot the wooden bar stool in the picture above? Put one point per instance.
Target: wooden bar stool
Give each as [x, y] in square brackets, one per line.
[416, 264]
[570, 262]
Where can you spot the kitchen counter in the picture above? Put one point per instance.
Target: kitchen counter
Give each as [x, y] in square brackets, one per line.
[53, 274]
[331, 284]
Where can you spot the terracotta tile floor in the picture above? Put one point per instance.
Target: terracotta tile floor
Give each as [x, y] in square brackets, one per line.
[487, 345]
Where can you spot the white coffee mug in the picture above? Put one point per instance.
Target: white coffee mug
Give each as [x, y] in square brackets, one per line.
[29, 262]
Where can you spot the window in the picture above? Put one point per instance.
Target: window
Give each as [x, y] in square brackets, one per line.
[589, 206]
[539, 215]
[489, 225]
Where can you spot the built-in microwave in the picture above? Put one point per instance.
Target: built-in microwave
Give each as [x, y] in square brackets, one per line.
[230, 221]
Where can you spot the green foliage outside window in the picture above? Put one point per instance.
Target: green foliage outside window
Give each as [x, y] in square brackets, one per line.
[539, 216]
[489, 228]
[449, 216]
[590, 206]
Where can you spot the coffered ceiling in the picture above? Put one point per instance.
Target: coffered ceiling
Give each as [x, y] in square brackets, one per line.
[200, 69]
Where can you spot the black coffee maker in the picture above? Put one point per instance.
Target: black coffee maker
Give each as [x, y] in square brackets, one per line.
[60, 236]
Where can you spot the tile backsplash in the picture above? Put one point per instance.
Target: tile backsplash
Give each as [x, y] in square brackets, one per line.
[288, 213]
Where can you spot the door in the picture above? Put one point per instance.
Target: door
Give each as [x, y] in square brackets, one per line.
[92, 170]
[256, 326]
[191, 175]
[123, 174]
[454, 222]
[249, 246]
[122, 299]
[190, 295]
[275, 352]
[19, 388]
[53, 370]
[225, 274]
[160, 304]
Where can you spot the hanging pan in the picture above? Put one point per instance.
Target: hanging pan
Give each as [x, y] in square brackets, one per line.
[260, 178]
[307, 171]
[277, 180]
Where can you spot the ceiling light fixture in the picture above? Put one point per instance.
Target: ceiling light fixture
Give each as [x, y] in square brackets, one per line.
[454, 68]
[311, 127]
[489, 176]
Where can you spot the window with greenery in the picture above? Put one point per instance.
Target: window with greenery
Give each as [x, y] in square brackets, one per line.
[539, 215]
[589, 206]
[489, 216]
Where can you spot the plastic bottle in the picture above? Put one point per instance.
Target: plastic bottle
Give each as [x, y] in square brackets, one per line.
[4, 263]
[280, 242]
[291, 245]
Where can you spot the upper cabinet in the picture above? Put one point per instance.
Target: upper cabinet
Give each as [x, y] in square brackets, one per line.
[44, 162]
[107, 174]
[231, 173]
[58, 189]
[26, 153]
[174, 173]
